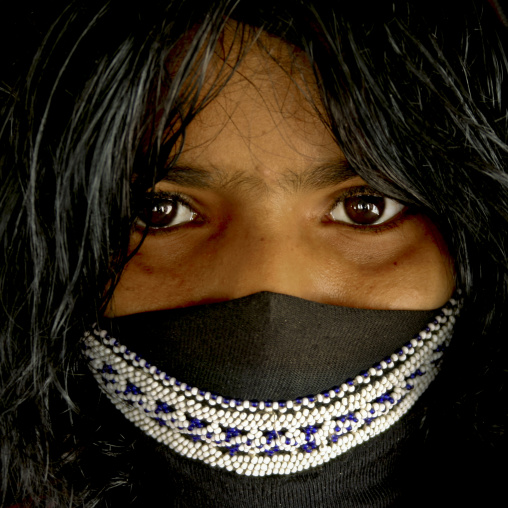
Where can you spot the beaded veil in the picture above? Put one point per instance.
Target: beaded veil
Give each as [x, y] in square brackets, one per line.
[262, 438]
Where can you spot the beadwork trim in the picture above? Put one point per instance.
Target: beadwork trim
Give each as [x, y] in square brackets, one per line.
[261, 438]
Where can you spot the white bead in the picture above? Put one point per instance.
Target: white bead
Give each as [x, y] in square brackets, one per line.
[218, 415]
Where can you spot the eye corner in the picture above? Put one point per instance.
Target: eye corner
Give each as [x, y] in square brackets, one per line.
[164, 212]
[365, 209]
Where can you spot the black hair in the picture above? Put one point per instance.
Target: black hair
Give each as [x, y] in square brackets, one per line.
[414, 93]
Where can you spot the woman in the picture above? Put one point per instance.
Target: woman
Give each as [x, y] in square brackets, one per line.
[264, 202]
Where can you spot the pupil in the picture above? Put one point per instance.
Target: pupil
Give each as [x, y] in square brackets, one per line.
[159, 214]
[364, 209]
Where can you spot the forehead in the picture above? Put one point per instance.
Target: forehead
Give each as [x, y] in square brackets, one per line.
[266, 121]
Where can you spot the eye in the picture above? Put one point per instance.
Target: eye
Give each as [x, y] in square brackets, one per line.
[163, 213]
[365, 209]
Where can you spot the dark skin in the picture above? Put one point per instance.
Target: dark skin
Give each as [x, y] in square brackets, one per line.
[262, 199]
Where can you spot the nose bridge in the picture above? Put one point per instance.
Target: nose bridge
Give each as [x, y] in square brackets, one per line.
[266, 258]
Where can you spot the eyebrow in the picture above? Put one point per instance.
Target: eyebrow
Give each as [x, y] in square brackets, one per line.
[312, 178]
[320, 176]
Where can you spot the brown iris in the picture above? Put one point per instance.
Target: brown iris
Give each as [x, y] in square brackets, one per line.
[159, 214]
[365, 209]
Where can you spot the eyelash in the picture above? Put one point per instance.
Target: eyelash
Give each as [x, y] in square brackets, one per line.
[398, 210]
[179, 200]
[173, 199]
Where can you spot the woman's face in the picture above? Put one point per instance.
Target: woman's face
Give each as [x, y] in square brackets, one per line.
[262, 199]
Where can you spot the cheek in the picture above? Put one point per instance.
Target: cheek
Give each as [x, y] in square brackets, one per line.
[408, 267]
[158, 276]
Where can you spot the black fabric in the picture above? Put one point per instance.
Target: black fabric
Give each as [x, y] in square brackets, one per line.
[370, 476]
[267, 345]
[264, 346]
[395, 469]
